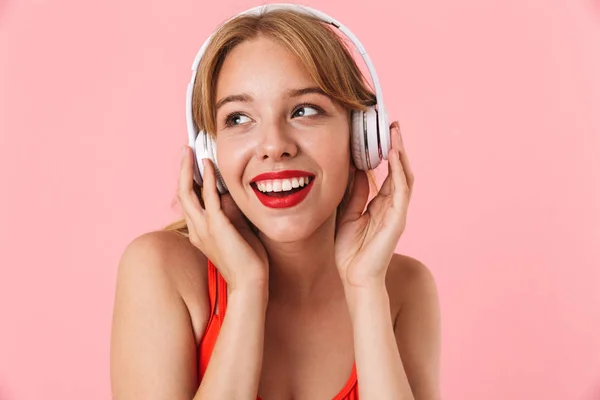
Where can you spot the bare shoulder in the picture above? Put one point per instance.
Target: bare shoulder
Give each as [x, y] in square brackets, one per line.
[417, 325]
[170, 256]
[408, 278]
[160, 308]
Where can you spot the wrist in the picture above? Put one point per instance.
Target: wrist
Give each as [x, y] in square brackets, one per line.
[357, 278]
[250, 279]
[366, 298]
[252, 290]
[366, 285]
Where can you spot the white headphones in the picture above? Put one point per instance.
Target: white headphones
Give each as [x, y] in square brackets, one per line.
[370, 131]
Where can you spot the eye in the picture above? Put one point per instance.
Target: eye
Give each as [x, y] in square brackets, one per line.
[233, 119]
[301, 110]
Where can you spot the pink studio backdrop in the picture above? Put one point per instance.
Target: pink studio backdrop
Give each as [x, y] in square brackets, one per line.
[499, 103]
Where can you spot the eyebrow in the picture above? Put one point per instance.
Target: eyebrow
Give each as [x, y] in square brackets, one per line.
[244, 97]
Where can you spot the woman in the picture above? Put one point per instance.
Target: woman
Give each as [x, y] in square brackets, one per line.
[303, 300]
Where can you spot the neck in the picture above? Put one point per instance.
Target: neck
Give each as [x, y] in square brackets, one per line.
[303, 272]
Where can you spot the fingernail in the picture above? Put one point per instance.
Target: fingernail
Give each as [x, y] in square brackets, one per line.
[183, 151]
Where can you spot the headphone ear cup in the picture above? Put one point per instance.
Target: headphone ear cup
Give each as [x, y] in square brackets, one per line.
[366, 152]
[357, 141]
[205, 147]
[200, 152]
[373, 149]
[212, 154]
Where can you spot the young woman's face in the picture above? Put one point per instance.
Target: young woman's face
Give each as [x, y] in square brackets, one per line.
[271, 118]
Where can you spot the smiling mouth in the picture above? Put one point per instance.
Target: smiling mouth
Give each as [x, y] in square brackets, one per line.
[282, 193]
[281, 187]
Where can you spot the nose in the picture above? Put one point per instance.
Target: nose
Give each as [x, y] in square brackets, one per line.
[276, 142]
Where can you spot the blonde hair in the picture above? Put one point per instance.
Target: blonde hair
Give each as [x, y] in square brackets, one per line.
[322, 52]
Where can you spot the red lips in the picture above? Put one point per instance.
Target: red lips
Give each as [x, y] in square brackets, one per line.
[286, 201]
[290, 173]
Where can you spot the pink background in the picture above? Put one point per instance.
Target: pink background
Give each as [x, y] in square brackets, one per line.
[499, 103]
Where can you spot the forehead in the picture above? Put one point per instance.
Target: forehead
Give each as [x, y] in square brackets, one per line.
[261, 66]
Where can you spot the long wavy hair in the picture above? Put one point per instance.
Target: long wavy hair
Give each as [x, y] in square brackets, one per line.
[322, 51]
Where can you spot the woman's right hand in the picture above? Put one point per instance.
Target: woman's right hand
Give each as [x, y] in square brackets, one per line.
[220, 230]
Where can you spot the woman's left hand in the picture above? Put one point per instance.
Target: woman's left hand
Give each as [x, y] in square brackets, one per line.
[365, 242]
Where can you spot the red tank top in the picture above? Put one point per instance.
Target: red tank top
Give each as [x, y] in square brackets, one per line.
[216, 284]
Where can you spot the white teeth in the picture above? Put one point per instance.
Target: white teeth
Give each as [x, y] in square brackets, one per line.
[282, 185]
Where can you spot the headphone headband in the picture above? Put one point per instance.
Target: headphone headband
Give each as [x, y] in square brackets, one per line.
[382, 115]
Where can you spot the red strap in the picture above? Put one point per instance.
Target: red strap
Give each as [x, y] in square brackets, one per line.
[217, 289]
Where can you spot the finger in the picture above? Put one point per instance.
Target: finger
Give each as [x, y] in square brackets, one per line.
[190, 203]
[198, 193]
[209, 190]
[401, 190]
[192, 231]
[387, 186]
[185, 190]
[358, 198]
[410, 178]
[394, 130]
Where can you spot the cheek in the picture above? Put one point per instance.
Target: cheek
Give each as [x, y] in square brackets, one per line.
[330, 145]
[232, 156]
[333, 157]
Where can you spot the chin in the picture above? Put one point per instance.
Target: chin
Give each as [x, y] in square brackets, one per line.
[288, 229]
[286, 225]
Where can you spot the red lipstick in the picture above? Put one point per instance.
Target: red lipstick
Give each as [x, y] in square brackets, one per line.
[289, 173]
[287, 200]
